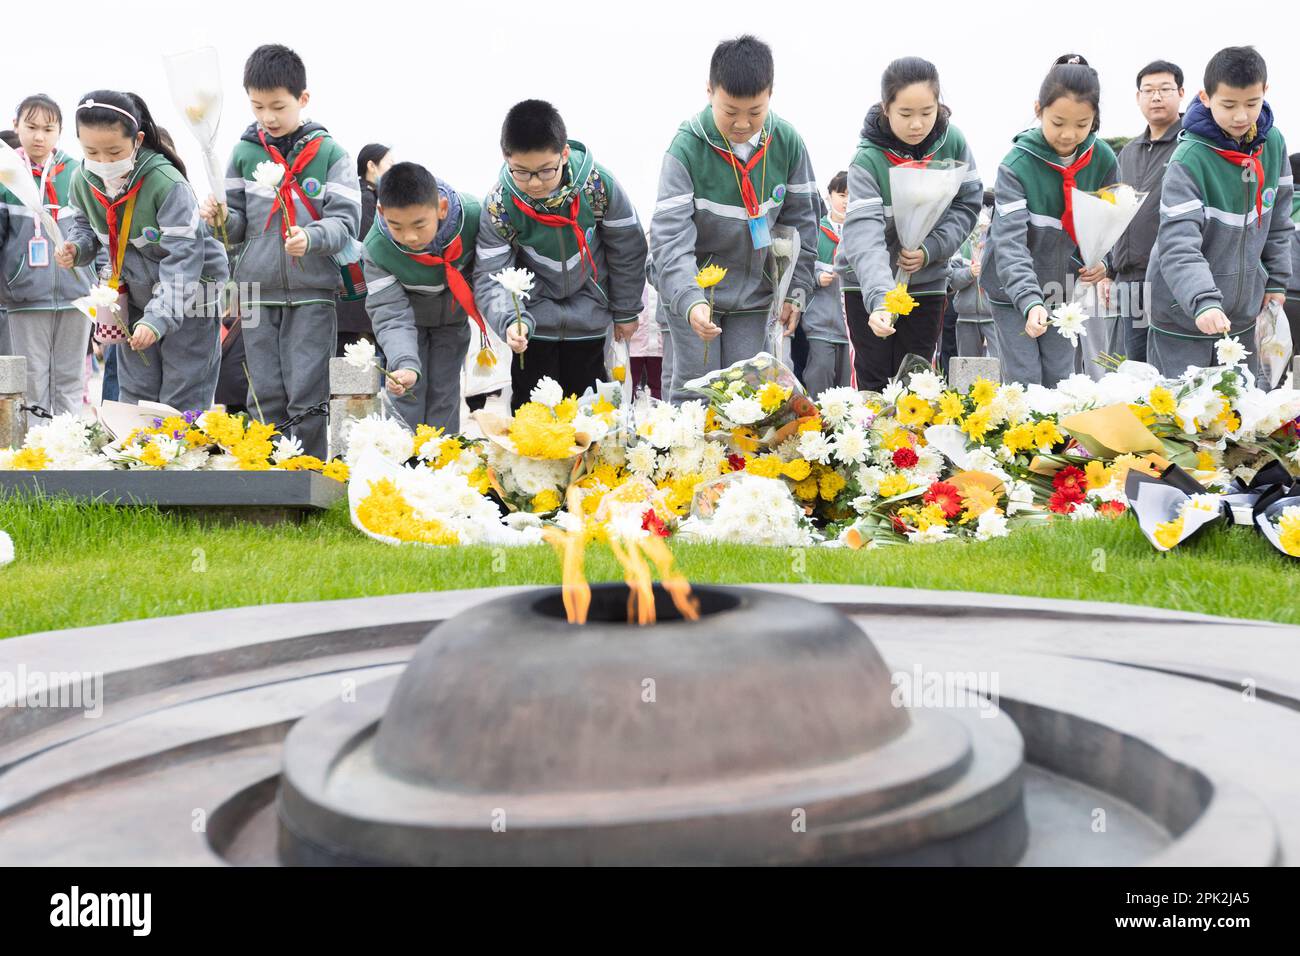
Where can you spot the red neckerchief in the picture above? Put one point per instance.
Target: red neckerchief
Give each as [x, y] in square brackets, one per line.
[460, 290]
[550, 219]
[900, 160]
[110, 216]
[1246, 161]
[747, 193]
[289, 182]
[1068, 174]
[830, 234]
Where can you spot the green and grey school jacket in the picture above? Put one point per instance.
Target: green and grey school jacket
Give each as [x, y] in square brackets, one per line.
[1212, 249]
[170, 255]
[330, 183]
[824, 318]
[1028, 249]
[567, 301]
[700, 219]
[403, 294]
[871, 246]
[1293, 286]
[43, 288]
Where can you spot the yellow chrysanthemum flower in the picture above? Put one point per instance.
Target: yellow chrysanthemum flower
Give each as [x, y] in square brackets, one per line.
[1289, 535]
[914, 410]
[1019, 438]
[977, 424]
[1046, 433]
[983, 391]
[710, 276]
[898, 301]
[772, 396]
[545, 501]
[797, 470]
[1167, 533]
[30, 459]
[951, 408]
[1161, 401]
[894, 484]
[767, 466]
[830, 484]
[337, 469]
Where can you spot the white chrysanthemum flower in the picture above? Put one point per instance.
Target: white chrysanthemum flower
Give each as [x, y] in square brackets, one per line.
[547, 392]
[286, 447]
[1083, 512]
[268, 173]
[754, 510]
[1230, 351]
[743, 411]
[926, 384]
[387, 436]
[851, 446]
[814, 447]
[991, 524]
[783, 248]
[1020, 497]
[688, 423]
[836, 404]
[360, 354]
[518, 282]
[221, 463]
[1070, 320]
[892, 392]
[642, 460]
[6, 549]
[930, 535]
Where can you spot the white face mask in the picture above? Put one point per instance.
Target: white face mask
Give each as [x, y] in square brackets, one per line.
[113, 174]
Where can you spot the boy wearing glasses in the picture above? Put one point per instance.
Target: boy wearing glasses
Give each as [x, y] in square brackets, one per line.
[565, 218]
[1142, 165]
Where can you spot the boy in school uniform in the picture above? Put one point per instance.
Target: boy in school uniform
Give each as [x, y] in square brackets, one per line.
[290, 232]
[418, 265]
[558, 213]
[1223, 249]
[731, 173]
[830, 359]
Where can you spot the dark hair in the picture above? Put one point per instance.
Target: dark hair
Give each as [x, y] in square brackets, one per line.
[839, 182]
[1238, 66]
[1295, 165]
[407, 184]
[988, 197]
[370, 153]
[141, 121]
[1161, 66]
[10, 138]
[1072, 76]
[902, 73]
[39, 103]
[532, 126]
[742, 67]
[273, 66]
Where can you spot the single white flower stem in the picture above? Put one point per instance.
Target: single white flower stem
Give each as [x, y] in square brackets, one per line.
[519, 324]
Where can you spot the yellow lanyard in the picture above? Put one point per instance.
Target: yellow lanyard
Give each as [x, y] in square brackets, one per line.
[123, 239]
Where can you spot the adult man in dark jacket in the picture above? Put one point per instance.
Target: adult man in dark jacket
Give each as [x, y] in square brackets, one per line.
[1142, 165]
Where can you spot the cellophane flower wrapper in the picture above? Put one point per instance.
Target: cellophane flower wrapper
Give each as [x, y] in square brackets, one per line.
[1279, 523]
[782, 268]
[745, 379]
[16, 176]
[920, 192]
[1163, 509]
[1099, 223]
[1273, 343]
[194, 79]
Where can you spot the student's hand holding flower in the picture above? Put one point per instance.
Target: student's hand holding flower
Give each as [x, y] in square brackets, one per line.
[143, 337]
[1092, 274]
[825, 278]
[623, 331]
[1213, 322]
[401, 381]
[882, 323]
[516, 337]
[212, 212]
[975, 267]
[910, 260]
[295, 242]
[1036, 322]
[66, 255]
[1278, 297]
[789, 317]
[701, 319]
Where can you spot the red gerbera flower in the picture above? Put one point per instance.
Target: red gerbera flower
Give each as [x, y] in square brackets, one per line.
[1063, 502]
[650, 521]
[946, 496]
[737, 462]
[1112, 509]
[1071, 478]
[905, 458]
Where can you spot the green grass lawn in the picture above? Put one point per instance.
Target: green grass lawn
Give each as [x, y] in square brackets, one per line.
[83, 564]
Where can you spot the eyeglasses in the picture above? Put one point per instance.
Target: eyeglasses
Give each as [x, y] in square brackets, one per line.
[523, 176]
[1161, 91]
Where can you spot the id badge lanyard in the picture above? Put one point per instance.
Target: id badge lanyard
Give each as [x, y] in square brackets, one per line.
[759, 232]
[38, 249]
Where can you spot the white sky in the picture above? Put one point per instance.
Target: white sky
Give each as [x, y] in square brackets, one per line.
[433, 80]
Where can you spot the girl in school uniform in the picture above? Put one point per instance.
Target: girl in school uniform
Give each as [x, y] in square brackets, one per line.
[44, 325]
[908, 124]
[136, 203]
[1031, 259]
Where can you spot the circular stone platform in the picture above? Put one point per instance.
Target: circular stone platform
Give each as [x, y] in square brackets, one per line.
[1148, 736]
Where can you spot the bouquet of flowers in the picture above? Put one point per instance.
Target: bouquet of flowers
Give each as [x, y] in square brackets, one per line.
[920, 192]
[741, 508]
[194, 79]
[65, 443]
[16, 176]
[759, 394]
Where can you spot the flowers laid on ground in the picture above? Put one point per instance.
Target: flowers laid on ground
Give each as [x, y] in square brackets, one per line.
[1288, 530]
[214, 440]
